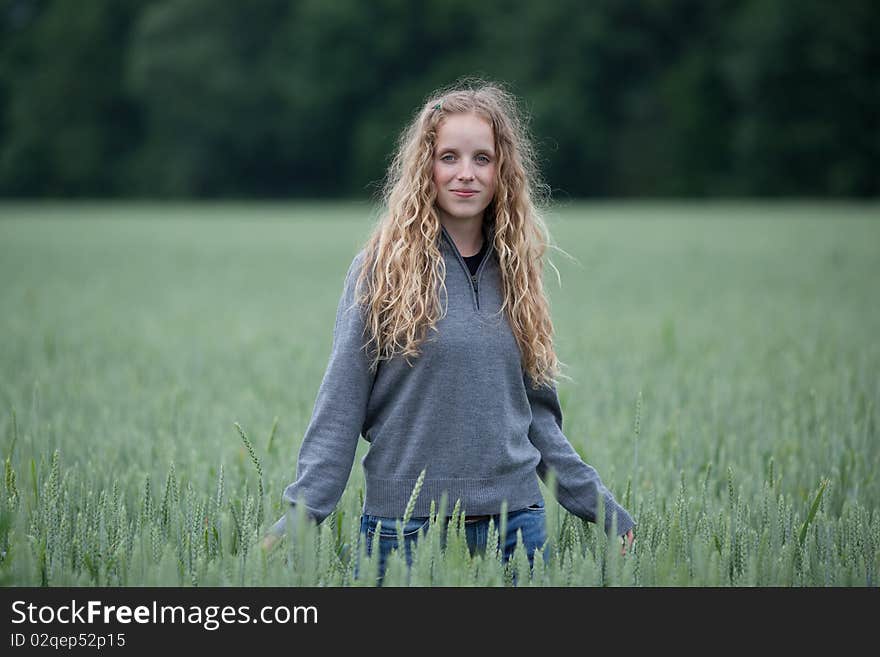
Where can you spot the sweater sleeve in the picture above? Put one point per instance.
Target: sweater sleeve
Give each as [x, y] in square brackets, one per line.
[579, 487]
[328, 448]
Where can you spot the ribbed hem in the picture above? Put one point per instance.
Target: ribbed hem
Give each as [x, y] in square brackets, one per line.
[388, 497]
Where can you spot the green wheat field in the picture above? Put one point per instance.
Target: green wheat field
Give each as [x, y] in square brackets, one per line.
[723, 359]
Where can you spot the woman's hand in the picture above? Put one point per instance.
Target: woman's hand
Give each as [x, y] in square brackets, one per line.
[269, 541]
[628, 539]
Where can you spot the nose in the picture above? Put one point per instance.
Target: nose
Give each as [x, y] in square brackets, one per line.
[466, 173]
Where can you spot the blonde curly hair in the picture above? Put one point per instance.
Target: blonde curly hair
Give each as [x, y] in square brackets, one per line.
[403, 270]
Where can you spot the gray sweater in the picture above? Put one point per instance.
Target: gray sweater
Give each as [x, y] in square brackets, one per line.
[464, 409]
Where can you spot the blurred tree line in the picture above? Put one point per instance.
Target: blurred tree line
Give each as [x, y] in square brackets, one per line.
[306, 98]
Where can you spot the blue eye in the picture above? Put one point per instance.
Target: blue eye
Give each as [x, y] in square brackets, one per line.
[485, 158]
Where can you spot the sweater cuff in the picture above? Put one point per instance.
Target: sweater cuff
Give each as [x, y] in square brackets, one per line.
[624, 520]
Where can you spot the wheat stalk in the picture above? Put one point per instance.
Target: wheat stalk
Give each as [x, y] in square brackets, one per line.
[250, 449]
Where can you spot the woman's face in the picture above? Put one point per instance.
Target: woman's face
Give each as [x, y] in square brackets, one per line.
[464, 166]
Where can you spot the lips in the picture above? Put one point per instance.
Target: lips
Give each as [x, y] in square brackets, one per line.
[464, 193]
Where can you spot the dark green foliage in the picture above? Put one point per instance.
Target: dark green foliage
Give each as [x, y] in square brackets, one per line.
[192, 98]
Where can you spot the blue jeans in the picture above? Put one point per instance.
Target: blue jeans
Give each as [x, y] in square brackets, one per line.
[530, 521]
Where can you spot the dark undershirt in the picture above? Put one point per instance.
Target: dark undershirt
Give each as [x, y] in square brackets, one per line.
[474, 261]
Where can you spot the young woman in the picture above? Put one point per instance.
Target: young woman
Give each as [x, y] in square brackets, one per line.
[442, 352]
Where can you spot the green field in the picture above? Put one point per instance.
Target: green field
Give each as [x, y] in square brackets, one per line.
[724, 361]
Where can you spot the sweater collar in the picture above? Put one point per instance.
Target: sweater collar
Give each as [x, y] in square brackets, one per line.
[488, 236]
